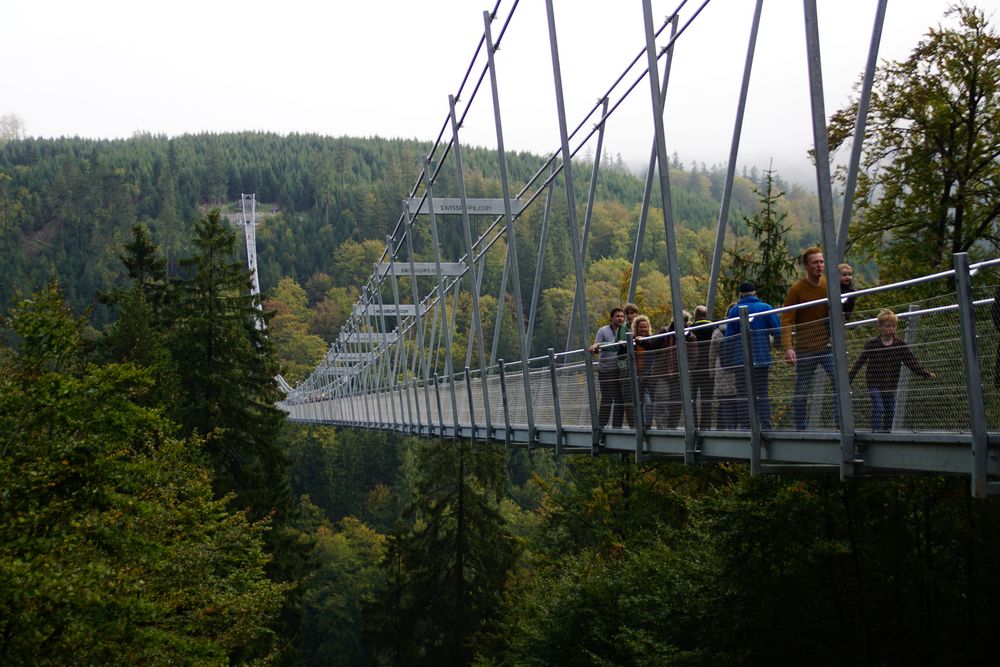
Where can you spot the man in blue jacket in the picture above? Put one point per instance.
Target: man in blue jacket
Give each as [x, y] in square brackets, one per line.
[764, 328]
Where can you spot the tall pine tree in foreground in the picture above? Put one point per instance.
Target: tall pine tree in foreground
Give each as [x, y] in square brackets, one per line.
[448, 570]
[226, 370]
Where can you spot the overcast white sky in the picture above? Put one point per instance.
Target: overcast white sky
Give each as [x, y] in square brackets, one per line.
[109, 68]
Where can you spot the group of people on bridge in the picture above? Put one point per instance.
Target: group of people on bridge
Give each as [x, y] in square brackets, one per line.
[716, 362]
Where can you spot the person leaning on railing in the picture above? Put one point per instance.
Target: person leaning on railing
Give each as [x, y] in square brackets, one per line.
[609, 374]
[702, 382]
[631, 312]
[669, 407]
[645, 360]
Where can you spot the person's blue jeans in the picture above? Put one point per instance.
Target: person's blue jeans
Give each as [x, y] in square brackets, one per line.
[805, 367]
[726, 418]
[759, 377]
[883, 409]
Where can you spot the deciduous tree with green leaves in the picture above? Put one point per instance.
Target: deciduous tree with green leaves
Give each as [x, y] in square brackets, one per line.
[930, 179]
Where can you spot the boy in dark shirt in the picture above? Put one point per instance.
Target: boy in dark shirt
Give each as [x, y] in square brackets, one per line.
[885, 355]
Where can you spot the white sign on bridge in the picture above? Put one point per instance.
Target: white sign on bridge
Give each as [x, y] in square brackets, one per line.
[421, 268]
[342, 371]
[389, 309]
[369, 337]
[350, 357]
[453, 206]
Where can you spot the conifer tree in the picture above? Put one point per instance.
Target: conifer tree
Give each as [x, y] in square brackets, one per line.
[227, 370]
[112, 547]
[770, 264]
[448, 570]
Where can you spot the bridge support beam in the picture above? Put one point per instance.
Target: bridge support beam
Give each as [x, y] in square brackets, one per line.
[859, 131]
[734, 149]
[509, 219]
[574, 229]
[850, 463]
[647, 193]
[683, 365]
[973, 377]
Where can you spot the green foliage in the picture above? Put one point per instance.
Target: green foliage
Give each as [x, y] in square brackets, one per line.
[769, 264]
[67, 205]
[347, 574]
[666, 565]
[345, 472]
[226, 371]
[446, 570]
[930, 179]
[112, 548]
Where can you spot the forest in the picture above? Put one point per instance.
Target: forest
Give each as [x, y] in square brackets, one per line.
[156, 508]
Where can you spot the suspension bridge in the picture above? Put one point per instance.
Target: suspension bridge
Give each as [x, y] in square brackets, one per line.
[395, 366]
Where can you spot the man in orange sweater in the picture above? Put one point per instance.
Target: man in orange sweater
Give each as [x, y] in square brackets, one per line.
[811, 346]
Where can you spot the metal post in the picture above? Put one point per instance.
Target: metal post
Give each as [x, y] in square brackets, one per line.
[404, 362]
[511, 243]
[408, 229]
[503, 397]
[472, 407]
[849, 461]
[690, 455]
[588, 215]
[388, 366]
[418, 427]
[542, 241]
[571, 219]
[470, 260]
[647, 193]
[501, 307]
[451, 376]
[734, 149]
[376, 371]
[437, 394]
[637, 402]
[973, 377]
[555, 400]
[859, 130]
[448, 366]
[751, 391]
[902, 389]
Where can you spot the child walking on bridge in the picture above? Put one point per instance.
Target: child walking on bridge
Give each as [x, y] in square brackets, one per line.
[885, 355]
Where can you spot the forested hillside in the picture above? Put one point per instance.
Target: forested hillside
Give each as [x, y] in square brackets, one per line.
[66, 206]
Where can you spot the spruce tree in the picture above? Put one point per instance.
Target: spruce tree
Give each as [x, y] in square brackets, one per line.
[448, 570]
[770, 264]
[227, 369]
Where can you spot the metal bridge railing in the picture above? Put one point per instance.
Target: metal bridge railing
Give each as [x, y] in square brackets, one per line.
[938, 415]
